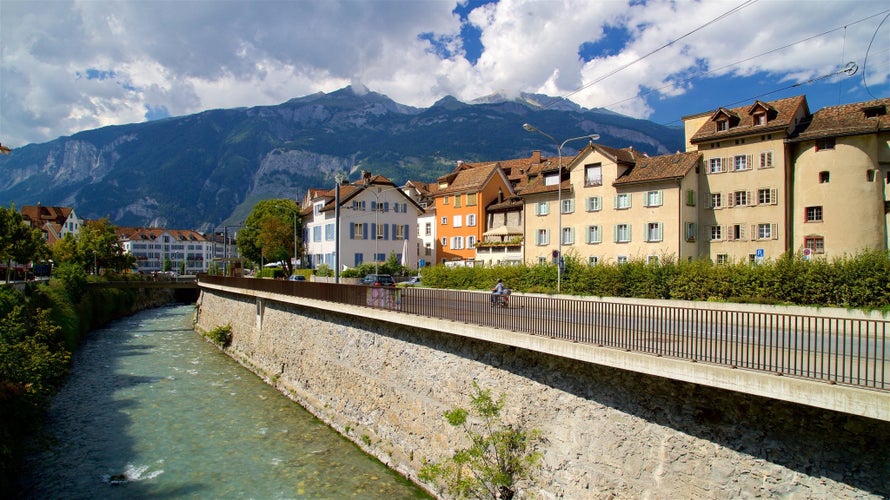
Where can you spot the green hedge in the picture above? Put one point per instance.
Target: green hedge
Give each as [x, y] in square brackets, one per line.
[861, 281]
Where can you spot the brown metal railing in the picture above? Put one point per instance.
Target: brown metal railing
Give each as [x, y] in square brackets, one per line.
[836, 350]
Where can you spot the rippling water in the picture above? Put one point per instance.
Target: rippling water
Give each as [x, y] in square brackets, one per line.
[151, 410]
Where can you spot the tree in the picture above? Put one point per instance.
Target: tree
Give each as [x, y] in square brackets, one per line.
[268, 233]
[98, 246]
[499, 457]
[18, 241]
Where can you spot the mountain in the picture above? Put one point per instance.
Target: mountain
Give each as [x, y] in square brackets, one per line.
[207, 169]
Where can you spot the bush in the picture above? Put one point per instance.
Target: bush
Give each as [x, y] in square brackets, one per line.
[221, 335]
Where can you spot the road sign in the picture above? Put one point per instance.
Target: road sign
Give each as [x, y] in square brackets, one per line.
[422, 263]
[759, 253]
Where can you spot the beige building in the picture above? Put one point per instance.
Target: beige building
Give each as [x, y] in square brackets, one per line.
[745, 178]
[617, 205]
[841, 180]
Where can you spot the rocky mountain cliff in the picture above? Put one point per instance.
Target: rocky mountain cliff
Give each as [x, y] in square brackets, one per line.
[204, 170]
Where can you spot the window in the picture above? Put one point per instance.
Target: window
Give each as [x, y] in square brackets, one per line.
[381, 231]
[690, 198]
[722, 125]
[816, 244]
[740, 162]
[471, 199]
[622, 233]
[621, 259]
[427, 249]
[457, 201]
[542, 208]
[759, 119]
[457, 221]
[653, 232]
[316, 209]
[766, 159]
[594, 204]
[568, 236]
[870, 175]
[823, 177]
[471, 241]
[428, 229]
[358, 231]
[329, 232]
[471, 219]
[716, 200]
[735, 232]
[457, 242]
[767, 231]
[722, 258]
[716, 233]
[542, 237]
[593, 175]
[653, 199]
[445, 200]
[444, 241]
[766, 196]
[715, 165]
[652, 260]
[823, 144]
[551, 179]
[691, 231]
[739, 199]
[622, 201]
[594, 234]
[444, 221]
[814, 214]
[593, 260]
[316, 233]
[568, 206]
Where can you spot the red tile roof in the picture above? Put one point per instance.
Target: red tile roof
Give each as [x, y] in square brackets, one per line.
[780, 116]
[847, 119]
[660, 168]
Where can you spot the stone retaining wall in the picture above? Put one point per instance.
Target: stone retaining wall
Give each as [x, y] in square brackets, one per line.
[609, 433]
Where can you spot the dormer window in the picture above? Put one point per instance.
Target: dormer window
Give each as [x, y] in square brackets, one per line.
[760, 119]
[875, 111]
[551, 179]
[722, 125]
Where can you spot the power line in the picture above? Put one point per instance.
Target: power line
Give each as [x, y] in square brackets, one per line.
[668, 44]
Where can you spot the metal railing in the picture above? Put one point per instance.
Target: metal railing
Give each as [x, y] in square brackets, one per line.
[832, 349]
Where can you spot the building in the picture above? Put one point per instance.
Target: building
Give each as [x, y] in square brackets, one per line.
[840, 174]
[424, 195]
[53, 222]
[152, 247]
[376, 219]
[745, 181]
[461, 200]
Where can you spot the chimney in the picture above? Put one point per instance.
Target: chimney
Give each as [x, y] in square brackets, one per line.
[536, 156]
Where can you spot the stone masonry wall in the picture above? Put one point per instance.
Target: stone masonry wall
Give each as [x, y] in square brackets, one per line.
[609, 433]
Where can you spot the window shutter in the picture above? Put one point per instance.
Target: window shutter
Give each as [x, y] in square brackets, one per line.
[364, 230]
[615, 233]
[754, 232]
[741, 231]
[774, 231]
[731, 200]
[774, 196]
[690, 198]
[373, 206]
[749, 199]
[406, 234]
[352, 231]
[658, 198]
[726, 164]
[750, 162]
[708, 202]
[615, 204]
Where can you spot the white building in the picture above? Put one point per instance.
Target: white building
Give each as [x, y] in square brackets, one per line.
[377, 219]
[154, 246]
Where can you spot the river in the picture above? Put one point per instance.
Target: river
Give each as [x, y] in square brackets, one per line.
[150, 410]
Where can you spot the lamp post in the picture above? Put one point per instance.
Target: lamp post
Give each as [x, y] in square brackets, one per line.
[593, 137]
[339, 178]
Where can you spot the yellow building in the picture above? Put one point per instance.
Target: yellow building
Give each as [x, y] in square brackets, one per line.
[745, 178]
[616, 205]
[841, 179]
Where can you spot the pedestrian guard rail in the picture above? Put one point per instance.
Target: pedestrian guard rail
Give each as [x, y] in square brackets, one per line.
[836, 350]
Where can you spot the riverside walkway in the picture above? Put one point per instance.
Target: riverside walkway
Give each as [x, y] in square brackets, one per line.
[834, 348]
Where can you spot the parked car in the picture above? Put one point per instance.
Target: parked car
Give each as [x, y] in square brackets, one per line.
[297, 277]
[378, 280]
[415, 280]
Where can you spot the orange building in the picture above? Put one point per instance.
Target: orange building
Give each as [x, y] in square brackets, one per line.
[461, 202]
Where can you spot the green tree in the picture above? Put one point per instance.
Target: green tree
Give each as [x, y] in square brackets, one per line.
[499, 457]
[268, 233]
[98, 246]
[18, 241]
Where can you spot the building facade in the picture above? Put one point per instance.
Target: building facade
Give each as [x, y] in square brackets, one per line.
[186, 250]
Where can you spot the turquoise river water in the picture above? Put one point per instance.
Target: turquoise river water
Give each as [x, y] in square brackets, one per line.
[150, 410]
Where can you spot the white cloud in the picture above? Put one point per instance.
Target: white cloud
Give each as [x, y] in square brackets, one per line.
[201, 54]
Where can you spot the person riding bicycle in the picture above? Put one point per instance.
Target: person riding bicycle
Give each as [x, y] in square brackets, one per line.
[498, 289]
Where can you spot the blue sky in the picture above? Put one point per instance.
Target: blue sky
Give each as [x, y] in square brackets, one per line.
[71, 65]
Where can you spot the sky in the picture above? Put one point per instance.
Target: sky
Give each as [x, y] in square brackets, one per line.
[67, 66]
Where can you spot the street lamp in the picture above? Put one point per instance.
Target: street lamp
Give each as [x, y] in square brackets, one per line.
[339, 178]
[593, 137]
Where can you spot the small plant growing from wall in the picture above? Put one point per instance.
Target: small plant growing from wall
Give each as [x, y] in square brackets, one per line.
[221, 335]
[499, 457]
